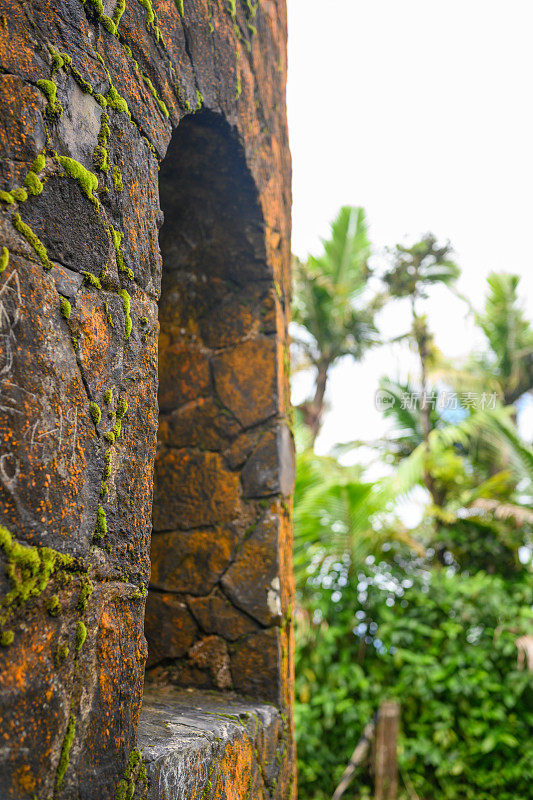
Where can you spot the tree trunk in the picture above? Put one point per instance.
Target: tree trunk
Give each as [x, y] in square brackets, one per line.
[385, 751]
[314, 410]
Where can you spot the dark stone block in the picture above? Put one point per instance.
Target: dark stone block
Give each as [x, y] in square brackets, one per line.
[216, 614]
[191, 561]
[252, 581]
[170, 629]
[192, 490]
[270, 468]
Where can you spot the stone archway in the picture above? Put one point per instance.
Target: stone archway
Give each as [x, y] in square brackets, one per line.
[214, 608]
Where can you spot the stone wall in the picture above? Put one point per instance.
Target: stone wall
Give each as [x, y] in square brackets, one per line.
[106, 110]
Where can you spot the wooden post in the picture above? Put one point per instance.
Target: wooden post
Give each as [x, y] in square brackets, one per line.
[385, 752]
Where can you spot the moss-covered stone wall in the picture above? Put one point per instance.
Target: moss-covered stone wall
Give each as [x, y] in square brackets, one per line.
[91, 95]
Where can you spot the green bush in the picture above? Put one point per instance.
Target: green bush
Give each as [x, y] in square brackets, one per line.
[444, 645]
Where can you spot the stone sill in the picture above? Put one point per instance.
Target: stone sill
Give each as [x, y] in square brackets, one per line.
[209, 746]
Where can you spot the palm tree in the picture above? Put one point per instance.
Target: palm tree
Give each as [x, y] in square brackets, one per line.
[413, 271]
[507, 366]
[333, 316]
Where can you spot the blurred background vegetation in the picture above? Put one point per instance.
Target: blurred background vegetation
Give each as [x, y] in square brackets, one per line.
[437, 613]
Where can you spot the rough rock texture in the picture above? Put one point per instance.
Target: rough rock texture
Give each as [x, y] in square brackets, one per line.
[198, 744]
[96, 98]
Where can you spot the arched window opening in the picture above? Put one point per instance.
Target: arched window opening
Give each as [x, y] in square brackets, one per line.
[211, 614]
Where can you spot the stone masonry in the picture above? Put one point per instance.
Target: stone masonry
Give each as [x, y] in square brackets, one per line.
[128, 342]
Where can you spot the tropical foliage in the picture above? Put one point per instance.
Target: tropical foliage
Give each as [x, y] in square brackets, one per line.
[430, 613]
[330, 308]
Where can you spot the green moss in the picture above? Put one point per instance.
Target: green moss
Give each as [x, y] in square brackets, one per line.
[39, 163]
[179, 6]
[101, 524]
[199, 100]
[75, 342]
[106, 21]
[49, 89]
[117, 179]
[29, 570]
[126, 305]
[252, 7]
[107, 465]
[119, 11]
[6, 638]
[100, 99]
[33, 183]
[57, 61]
[110, 436]
[104, 488]
[150, 146]
[61, 654]
[81, 635]
[122, 407]
[53, 606]
[162, 107]
[116, 101]
[4, 258]
[122, 790]
[95, 412]
[65, 308]
[65, 752]
[108, 24]
[126, 786]
[117, 237]
[91, 280]
[109, 317]
[140, 592]
[100, 158]
[33, 240]
[152, 23]
[84, 85]
[20, 195]
[143, 320]
[87, 181]
[108, 396]
[101, 154]
[238, 87]
[85, 594]
[6, 197]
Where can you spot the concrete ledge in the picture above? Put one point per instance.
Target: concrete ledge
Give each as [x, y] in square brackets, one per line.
[207, 746]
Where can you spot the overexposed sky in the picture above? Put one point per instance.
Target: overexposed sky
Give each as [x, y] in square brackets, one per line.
[420, 111]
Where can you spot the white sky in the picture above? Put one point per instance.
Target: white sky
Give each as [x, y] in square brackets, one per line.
[420, 111]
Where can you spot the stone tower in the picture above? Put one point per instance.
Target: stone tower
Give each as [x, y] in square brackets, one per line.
[146, 455]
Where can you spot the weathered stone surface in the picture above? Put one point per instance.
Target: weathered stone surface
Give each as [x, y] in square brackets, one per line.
[196, 743]
[22, 132]
[184, 375]
[193, 489]
[78, 380]
[217, 614]
[50, 471]
[252, 580]
[201, 423]
[255, 666]
[270, 468]
[169, 627]
[245, 380]
[191, 562]
[211, 653]
[68, 222]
